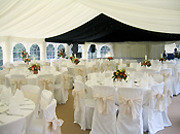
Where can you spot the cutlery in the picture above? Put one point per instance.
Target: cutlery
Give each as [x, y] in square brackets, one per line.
[13, 114]
[26, 108]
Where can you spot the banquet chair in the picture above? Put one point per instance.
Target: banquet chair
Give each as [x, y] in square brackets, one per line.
[167, 75]
[152, 113]
[49, 124]
[16, 81]
[176, 82]
[3, 73]
[46, 81]
[60, 93]
[80, 70]
[104, 117]
[33, 93]
[129, 120]
[130, 69]
[167, 101]
[2, 87]
[83, 108]
[95, 69]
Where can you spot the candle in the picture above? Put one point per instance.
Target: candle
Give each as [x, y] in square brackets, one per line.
[121, 62]
[161, 55]
[145, 57]
[34, 60]
[75, 55]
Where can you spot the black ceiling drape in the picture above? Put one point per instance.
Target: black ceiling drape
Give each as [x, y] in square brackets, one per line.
[105, 29]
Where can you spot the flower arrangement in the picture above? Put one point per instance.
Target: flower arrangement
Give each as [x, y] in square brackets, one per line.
[110, 58]
[119, 74]
[162, 59]
[27, 60]
[24, 54]
[75, 61]
[146, 63]
[34, 67]
[62, 53]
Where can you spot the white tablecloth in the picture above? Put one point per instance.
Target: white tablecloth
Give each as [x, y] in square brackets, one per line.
[15, 124]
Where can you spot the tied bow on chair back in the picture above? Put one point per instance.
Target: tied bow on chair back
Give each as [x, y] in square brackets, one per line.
[77, 94]
[160, 104]
[79, 71]
[167, 76]
[95, 69]
[129, 105]
[108, 66]
[46, 83]
[18, 83]
[102, 100]
[53, 126]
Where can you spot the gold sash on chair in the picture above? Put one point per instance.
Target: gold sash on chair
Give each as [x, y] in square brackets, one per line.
[18, 83]
[46, 83]
[129, 105]
[167, 76]
[160, 104]
[77, 94]
[103, 102]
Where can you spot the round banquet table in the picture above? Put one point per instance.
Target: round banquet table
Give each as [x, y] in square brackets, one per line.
[19, 122]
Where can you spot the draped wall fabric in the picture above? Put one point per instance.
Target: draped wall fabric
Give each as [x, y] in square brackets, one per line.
[47, 18]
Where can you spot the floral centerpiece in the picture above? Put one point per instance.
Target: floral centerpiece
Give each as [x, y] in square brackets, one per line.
[119, 74]
[110, 58]
[75, 61]
[24, 54]
[62, 53]
[27, 60]
[146, 63]
[35, 68]
[162, 59]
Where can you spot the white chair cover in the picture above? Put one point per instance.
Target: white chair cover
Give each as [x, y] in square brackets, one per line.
[33, 93]
[176, 82]
[129, 120]
[152, 114]
[3, 73]
[60, 92]
[46, 81]
[83, 107]
[104, 117]
[16, 81]
[50, 124]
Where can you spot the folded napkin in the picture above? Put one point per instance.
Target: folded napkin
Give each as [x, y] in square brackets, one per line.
[143, 83]
[14, 107]
[19, 96]
[6, 95]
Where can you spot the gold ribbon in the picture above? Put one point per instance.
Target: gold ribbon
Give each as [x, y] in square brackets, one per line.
[77, 94]
[167, 76]
[108, 65]
[129, 105]
[54, 126]
[160, 102]
[95, 69]
[79, 71]
[103, 102]
[46, 83]
[18, 83]
[102, 69]
[66, 81]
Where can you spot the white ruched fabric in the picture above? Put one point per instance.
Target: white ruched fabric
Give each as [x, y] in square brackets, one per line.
[18, 83]
[129, 105]
[54, 125]
[160, 105]
[103, 102]
[77, 94]
[46, 83]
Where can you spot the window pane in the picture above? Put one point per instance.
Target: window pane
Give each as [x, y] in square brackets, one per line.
[35, 52]
[17, 51]
[50, 52]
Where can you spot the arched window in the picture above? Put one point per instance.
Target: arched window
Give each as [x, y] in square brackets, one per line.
[35, 52]
[71, 48]
[17, 52]
[92, 55]
[1, 58]
[50, 52]
[60, 47]
[104, 51]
